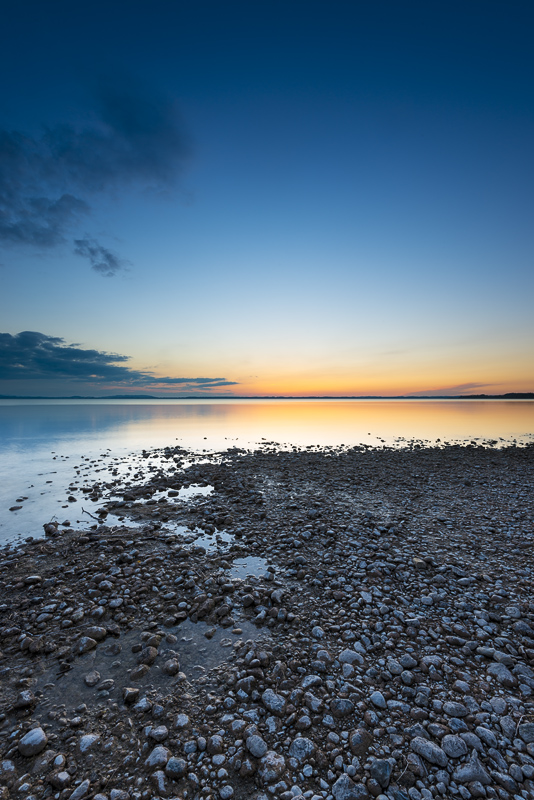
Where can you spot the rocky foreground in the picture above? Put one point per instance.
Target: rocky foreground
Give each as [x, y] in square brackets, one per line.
[381, 644]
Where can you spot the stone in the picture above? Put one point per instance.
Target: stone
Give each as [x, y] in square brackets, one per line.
[502, 674]
[345, 789]
[271, 767]
[171, 667]
[381, 772]
[7, 770]
[25, 699]
[96, 632]
[80, 791]
[84, 645]
[453, 709]
[60, 780]
[119, 794]
[349, 657]
[175, 768]
[130, 695]
[378, 700]
[472, 770]
[429, 751]
[87, 742]
[486, 736]
[159, 733]
[256, 746]
[301, 749]
[310, 680]
[147, 656]
[341, 707]
[215, 745]
[453, 746]
[92, 678]
[360, 741]
[526, 731]
[158, 757]
[275, 703]
[33, 743]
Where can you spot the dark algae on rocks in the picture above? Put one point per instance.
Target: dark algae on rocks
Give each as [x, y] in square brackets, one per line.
[330, 624]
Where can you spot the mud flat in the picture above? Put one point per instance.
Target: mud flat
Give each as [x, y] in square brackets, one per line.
[343, 623]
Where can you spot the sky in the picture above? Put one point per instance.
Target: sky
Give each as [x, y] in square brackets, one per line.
[268, 198]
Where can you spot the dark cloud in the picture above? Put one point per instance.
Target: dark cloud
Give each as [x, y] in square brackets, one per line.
[33, 356]
[102, 260]
[47, 183]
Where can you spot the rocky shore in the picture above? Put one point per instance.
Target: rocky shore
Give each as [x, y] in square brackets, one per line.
[329, 624]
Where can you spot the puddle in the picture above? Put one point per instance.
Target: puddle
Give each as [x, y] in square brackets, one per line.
[113, 659]
[183, 494]
[193, 491]
[211, 542]
[246, 567]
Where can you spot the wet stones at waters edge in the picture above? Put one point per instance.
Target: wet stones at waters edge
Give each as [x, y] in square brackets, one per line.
[384, 648]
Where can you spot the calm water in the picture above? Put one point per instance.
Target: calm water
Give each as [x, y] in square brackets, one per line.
[44, 445]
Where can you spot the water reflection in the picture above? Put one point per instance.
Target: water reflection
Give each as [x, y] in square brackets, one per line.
[41, 442]
[200, 424]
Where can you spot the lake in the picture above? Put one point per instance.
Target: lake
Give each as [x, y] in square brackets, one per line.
[46, 444]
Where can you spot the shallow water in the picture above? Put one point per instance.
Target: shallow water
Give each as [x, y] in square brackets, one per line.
[252, 566]
[114, 659]
[47, 444]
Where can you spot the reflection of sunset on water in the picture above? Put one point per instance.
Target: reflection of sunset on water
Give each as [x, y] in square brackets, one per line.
[223, 423]
[348, 422]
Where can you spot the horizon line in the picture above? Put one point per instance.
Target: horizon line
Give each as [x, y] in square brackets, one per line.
[505, 396]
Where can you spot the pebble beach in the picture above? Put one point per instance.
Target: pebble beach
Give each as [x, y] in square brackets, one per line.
[329, 624]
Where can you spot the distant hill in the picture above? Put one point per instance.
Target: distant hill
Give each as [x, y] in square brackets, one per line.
[507, 396]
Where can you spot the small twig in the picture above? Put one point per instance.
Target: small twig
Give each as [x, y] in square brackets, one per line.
[91, 515]
[519, 723]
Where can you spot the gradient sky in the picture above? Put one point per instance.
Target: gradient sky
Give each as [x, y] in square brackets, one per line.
[256, 198]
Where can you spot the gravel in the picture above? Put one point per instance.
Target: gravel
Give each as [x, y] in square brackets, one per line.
[320, 624]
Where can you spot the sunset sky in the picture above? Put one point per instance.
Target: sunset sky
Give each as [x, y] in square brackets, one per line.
[262, 198]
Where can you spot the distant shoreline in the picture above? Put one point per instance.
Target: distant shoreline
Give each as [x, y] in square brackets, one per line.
[507, 396]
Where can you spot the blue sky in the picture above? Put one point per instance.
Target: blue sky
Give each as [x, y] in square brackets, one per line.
[294, 198]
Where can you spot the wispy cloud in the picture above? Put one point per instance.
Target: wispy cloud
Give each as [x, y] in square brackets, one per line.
[30, 355]
[48, 183]
[461, 388]
[102, 260]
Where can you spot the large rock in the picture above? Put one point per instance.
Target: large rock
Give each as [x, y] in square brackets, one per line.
[256, 746]
[453, 709]
[378, 699]
[360, 741]
[472, 771]
[526, 732]
[80, 791]
[302, 749]
[429, 751]
[273, 702]
[158, 757]
[96, 632]
[272, 767]
[176, 768]
[341, 707]
[84, 645]
[345, 789]
[349, 657]
[502, 674]
[381, 772]
[453, 746]
[87, 742]
[33, 742]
